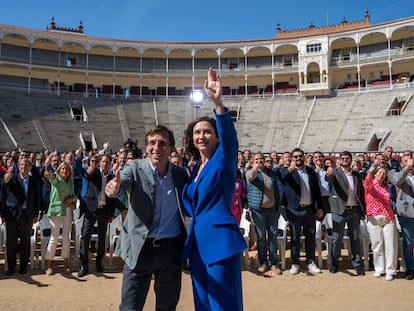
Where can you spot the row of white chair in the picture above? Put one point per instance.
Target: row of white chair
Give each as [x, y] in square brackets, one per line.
[3, 243]
[41, 231]
[323, 233]
[245, 225]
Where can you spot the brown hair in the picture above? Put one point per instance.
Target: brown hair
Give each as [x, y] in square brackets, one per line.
[161, 130]
[188, 135]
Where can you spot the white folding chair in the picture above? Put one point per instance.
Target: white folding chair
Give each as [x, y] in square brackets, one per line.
[78, 234]
[318, 242]
[403, 267]
[282, 227]
[114, 232]
[33, 241]
[365, 241]
[45, 233]
[245, 228]
[33, 244]
[2, 235]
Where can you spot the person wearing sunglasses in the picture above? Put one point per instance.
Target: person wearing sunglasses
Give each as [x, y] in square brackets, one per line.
[304, 204]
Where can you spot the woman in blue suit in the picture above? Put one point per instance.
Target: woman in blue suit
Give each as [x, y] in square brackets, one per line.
[214, 243]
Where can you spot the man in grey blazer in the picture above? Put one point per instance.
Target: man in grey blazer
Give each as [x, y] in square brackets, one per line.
[348, 207]
[153, 233]
[404, 207]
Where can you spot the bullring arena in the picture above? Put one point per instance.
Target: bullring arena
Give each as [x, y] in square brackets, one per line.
[346, 86]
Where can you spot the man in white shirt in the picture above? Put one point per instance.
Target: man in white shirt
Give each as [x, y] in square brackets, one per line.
[348, 207]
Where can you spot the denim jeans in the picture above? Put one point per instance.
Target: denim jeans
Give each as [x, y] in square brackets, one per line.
[407, 228]
[265, 220]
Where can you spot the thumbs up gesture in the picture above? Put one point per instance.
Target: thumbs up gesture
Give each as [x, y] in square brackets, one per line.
[112, 187]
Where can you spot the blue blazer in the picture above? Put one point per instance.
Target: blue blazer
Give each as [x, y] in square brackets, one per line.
[293, 191]
[213, 226]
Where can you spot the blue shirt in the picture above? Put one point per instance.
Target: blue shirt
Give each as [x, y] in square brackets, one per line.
[166, 221]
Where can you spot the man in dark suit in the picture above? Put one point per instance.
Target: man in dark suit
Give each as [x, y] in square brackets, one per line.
[97, 207]
[348, 207]
[21, 204]
[154, 235]
[303, 205]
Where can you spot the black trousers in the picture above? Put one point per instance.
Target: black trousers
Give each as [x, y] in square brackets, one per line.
[163, 260]
[306, 218]
[16, 229]
[87, 229]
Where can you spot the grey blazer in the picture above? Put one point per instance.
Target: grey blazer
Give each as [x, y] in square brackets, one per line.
[405, 193]
[339, 193]
[137, 180]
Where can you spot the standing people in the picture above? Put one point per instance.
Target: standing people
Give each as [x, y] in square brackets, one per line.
[263, 197]
[214, 244]
[348, 207]
[404, 181]
[20, 208]
[62, 200]
[324, 185]
[239, 194]
[153, 239]
[381, 224]
[98, 207]
[303, 205]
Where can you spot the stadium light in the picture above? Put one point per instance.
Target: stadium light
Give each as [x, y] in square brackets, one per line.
[197, 97]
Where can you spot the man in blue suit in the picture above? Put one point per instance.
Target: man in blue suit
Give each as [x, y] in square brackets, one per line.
[21, 205]
[303, 205]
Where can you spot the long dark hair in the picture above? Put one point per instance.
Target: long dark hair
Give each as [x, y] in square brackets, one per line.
[188, 135]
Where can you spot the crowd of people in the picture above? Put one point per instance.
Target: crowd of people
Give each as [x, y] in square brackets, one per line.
[209, 182]
[373, 187]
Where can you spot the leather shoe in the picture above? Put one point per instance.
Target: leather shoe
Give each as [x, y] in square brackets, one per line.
[333, 269]
[99, 267]
[10, 271]
[83, 271]
[360, 271]
[23, 270]
[409, 275]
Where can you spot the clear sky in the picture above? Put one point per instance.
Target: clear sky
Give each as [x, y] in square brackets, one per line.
[192, 20]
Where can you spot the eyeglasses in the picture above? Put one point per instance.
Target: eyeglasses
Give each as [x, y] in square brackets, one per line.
[297, 156]
[93, 161]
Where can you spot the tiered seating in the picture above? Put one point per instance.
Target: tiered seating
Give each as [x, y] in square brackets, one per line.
[252, 90]
[281, 87]
[226, 91]
[241, 90]
[118, 90]
[268, 90]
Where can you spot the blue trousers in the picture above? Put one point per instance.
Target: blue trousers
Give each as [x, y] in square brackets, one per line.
[217, 286]
[265, 221]
[407, 228]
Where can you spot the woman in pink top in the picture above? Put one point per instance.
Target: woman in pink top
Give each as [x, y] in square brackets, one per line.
[237, 203]
[381, 222]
